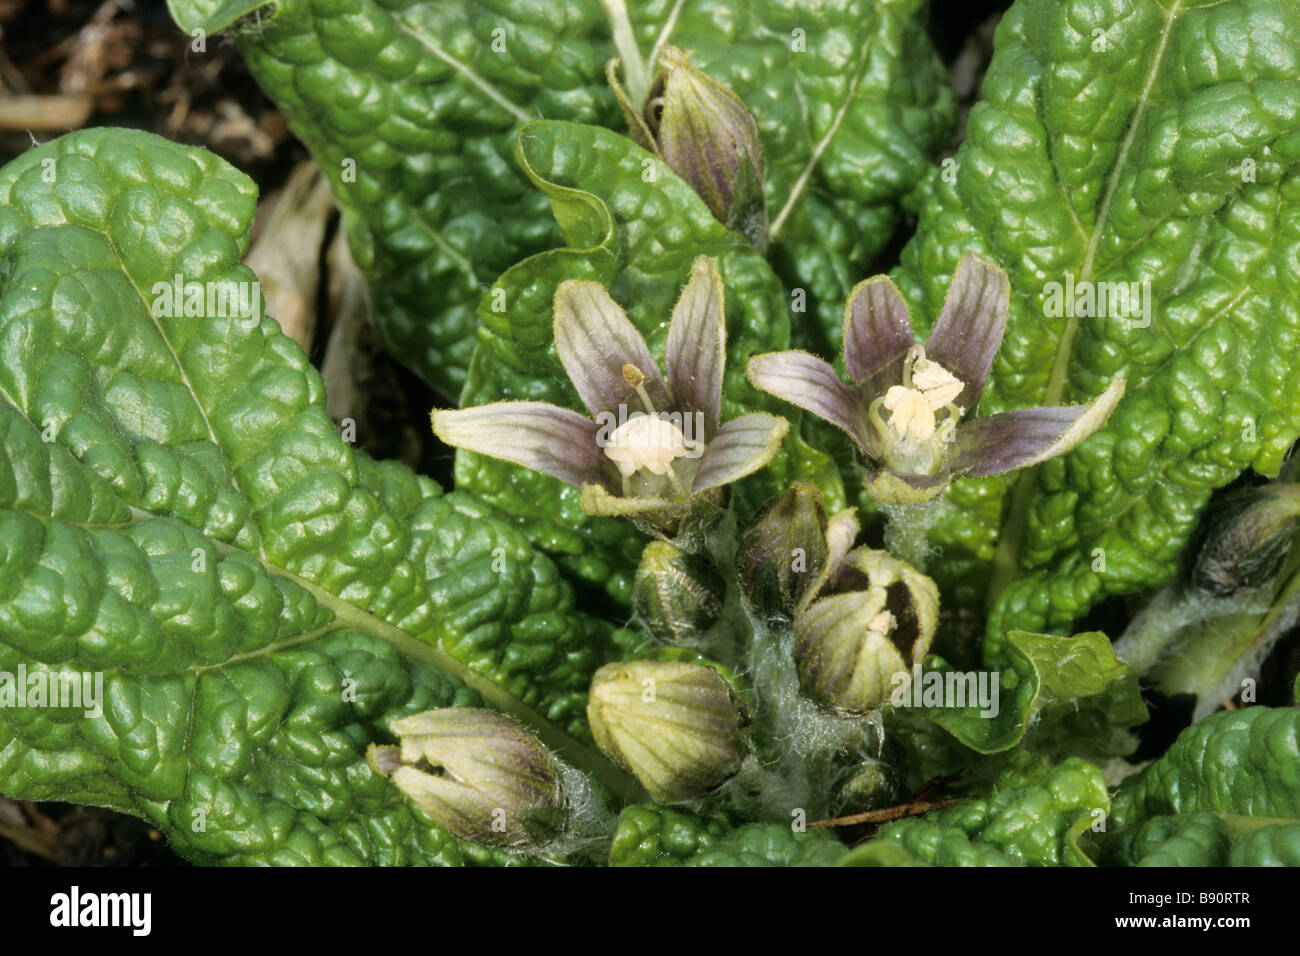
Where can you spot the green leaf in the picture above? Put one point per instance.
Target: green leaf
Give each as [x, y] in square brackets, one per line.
[1244, 762]
[179, 515]
[638, 238]
[411, 109]
[650, 835]
[1057, 696]
[1193, 839]
[1032, 816]
[1124, 141]
[1277, 844]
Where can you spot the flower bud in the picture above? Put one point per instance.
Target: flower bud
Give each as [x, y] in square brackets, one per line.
[482, 775]
[869, 785]
[678, 595]
[678, 727]
[782, 553]
[1247, 539]
[706, 135]
[873, 621]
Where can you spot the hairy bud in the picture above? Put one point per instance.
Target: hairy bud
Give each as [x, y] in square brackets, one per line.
[482, 775]
[706, 135]
[678, 727]
[1247, 539]
[679, 596]
[783, 552]
[873, 620]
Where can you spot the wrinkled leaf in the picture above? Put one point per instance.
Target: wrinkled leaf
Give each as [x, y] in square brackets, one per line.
[1124, 141]
[1032, 816]
[180, 516]
[1245, 763]
[658, 836]
[411, 109]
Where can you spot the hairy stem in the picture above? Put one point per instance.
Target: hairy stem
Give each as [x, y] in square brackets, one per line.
[906, 531]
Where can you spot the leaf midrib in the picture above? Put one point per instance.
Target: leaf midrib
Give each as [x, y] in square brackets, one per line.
[1006, 556]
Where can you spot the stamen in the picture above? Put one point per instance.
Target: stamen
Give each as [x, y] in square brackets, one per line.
[636, 379]
[882, 623]
[915, 354]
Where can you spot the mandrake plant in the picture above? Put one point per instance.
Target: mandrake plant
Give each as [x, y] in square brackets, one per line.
[750, 556]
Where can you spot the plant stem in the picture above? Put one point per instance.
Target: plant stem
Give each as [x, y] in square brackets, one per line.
[905, 531]
[634, 66]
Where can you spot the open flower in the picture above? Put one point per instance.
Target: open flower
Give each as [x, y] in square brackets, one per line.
[652, 446]
[906, 408]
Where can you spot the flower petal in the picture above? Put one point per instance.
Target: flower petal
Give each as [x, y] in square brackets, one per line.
[696, 348]
[969, 329]
[809, 382]
[877, 331]
[741, 447]
[546, 438]
[998, 443]
[595, 340]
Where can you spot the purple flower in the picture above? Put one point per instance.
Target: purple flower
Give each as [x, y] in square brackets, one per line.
[907, 405]
[652, 444]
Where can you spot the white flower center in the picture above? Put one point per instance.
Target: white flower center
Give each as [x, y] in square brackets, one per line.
[646, 441]
[933, 388]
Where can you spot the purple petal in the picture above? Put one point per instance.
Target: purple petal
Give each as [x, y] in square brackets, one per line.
[968, 332]
[998, 443]
[696, 349]
[595, 340]
[807, 381]
[741, 447]
[545, 438]
[877, 331]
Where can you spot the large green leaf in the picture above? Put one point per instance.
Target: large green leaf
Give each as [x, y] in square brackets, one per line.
[411, 109]
[636, 227]
[179, 514]
[1242, 763]
[1124, 141]
[1234, 778]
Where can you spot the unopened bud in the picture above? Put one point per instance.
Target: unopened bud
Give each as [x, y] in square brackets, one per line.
[869, 785]
[679, 596]
[784, 550]
[483, 776]
[706, 135]
[678, 727]
[1247, 539]
[874, 621]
